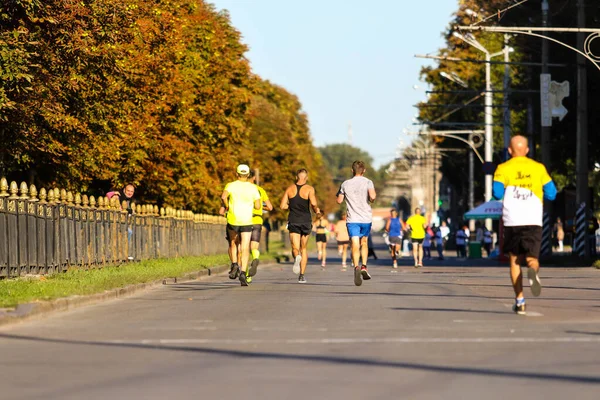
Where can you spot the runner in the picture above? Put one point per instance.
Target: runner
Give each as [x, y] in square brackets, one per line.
[343, 239]
[358, 193]
[257, 224]
[298, 198]
[320, 228]
[524, 184]
[239, 199]
[416, 224]
[393, 227]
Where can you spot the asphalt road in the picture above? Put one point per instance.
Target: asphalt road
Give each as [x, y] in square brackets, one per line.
[440, 332]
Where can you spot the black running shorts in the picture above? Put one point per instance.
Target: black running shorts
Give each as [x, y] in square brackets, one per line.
[523, 240]
[417, 241]
[256, 230]
[231, 229]
[303, 229]
[321, 237]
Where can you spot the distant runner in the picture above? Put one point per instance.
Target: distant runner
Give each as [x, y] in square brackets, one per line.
[343, 239]
[523, 183]
[320, 227]
[358, 193]
[239, 199]
[393, 227]
[299, 198]
[257, 224]
[416, 224]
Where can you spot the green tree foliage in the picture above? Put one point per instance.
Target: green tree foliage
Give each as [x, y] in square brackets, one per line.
[281, 144]
[525, 106]
[158, 93]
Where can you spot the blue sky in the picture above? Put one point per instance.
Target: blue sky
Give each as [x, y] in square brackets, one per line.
[348, 61]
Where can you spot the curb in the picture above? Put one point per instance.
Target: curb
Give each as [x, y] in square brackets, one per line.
[28, 311]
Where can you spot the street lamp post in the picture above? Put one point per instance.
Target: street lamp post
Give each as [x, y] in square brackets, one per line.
[489, 137]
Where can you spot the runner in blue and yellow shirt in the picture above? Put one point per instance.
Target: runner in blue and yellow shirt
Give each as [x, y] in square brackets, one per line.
[524, 184]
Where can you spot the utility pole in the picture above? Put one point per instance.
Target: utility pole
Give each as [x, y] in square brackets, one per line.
[489, 134]
[581, 193]
[546, 130]
[506, 90]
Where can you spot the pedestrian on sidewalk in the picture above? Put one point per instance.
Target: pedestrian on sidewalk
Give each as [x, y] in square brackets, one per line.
[523, 184]
[239, 199]
[299, 198]
[358, 193]
[461, 243]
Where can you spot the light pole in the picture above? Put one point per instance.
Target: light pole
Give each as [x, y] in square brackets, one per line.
[488, 149]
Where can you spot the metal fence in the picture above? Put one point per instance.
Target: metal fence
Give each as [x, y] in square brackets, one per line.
[55, 230]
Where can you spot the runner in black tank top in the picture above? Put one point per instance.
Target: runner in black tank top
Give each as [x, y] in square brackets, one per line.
[299, 219]
[299, 209]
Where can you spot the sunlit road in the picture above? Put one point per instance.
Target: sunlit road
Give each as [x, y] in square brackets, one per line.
[440, 332]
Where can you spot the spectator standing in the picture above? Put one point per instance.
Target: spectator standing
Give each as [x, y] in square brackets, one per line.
[461, 243]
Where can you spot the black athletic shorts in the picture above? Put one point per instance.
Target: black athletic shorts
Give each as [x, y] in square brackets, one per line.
[417, 241]
[256, 230]
[321, 237]
[237, 229]
[523, 240]
[343, 242]
[303, 229]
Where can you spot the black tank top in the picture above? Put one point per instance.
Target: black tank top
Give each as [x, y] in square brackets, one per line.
[299, 209]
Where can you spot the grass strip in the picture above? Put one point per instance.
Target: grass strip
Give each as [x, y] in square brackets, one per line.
[86, 282]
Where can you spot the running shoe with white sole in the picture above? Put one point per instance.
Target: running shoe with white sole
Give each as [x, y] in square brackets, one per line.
[301, 279]
[357, 276]
[365, 273]
[519, 309]
[296, 267]
[534, 282]
[234, 271]
[253, 267]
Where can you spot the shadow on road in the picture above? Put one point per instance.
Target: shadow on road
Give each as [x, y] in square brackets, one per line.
[523, 375]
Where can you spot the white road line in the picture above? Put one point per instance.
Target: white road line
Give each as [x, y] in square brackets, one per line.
[398, 340]
[171, 328]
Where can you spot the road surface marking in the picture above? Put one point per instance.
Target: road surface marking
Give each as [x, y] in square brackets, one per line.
[399, 340]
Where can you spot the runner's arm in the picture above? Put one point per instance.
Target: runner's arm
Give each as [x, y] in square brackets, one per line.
[285, 201]
[268, 206]
[372, 195]
[387, 225]
[225, 201]
[313, 202]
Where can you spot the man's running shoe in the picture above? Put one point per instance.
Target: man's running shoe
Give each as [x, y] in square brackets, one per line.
[395, 264]
[323, 264]
[234, 271]
[248, 279]
[519, 309]
[365, 273]
[344, 266]
[301, 279]
[296, 267]
[357, 276]
[534, 282]
[243, 279]
[253, 267]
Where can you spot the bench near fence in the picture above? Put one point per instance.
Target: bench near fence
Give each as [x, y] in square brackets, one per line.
[55, 230]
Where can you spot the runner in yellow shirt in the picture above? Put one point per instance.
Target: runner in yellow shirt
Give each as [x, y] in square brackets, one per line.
[416, 224]
[239, 199]
[524, 184]
[257, 222]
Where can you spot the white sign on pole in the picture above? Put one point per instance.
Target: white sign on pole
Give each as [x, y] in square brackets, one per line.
[545, 99]
[558, 91]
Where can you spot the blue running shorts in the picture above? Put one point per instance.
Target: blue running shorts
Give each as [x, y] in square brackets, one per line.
[358, 229]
